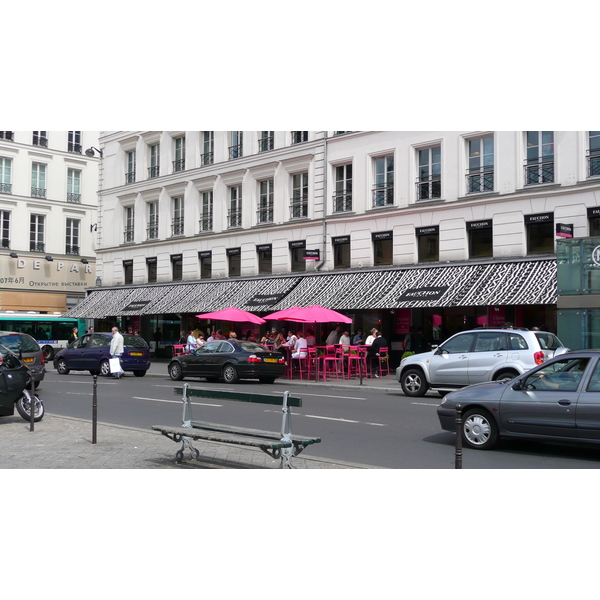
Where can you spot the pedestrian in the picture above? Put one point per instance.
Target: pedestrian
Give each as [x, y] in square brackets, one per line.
[90, 330]
[334, 336]
[410, 339]
[182, 338]
[73, 335]
[373, 353]
[157, 335]
[420, 344]
[191, 342]
[116, 351]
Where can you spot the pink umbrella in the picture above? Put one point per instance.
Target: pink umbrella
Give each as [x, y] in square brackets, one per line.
[283, 315]
[233, 314]
[310, 314]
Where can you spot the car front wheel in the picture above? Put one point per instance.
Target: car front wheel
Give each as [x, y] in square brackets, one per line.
[175, 372]
[479, 430]
[414, 383]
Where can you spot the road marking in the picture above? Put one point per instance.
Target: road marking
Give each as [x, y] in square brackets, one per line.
[424, 404]
[174, 401]
[332, 419]
[344, 397]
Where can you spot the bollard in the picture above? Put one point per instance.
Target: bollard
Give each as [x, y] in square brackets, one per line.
[458, 448]
[94, 409]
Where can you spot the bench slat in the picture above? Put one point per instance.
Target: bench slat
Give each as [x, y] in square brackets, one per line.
[252, 432]
[240, 396]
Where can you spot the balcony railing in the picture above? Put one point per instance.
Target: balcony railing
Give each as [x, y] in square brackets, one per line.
[234, 218]
[264, 215]
[128, 235]
[153, 172]
[236, 151]
[37, 247]
[74, 147]
[481, 181]
[207, 158]
[177, 226]
[6, 188]
[72, 250]
[593, 164]
[539, 172]
[206, 222]
[38, 192]
[383, 195]
[342, 202]
[179, 165]
[152, 230]
[429, 189]
[266, 143]
[130, 177]
[299, 208]
[72, 197]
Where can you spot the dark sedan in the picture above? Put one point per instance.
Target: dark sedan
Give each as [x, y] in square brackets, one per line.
[229, 360]
[559, 400]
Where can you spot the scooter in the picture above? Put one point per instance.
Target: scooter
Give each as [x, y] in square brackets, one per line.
[15, 376]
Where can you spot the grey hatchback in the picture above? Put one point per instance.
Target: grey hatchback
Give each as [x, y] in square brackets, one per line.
[559, 400]
[22, 344]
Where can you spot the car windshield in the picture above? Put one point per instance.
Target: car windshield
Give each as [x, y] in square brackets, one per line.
[22, 342]
[134, 341]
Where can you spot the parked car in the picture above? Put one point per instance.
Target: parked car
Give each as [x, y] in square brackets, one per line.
[22, 344]
[229, 360]
[91, 352]
[558, 400]
[475, 356]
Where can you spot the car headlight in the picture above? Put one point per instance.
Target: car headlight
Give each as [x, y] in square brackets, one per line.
[443, 401]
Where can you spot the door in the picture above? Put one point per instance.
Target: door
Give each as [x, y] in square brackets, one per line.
[201, 362]
[488, 355]
[450, 363]
[587, 417]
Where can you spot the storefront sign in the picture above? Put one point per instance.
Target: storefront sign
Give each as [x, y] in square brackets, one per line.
[425, 293]
[264, 248]
[431, 230]
[176, 257]
[298, 244]
[264, 299]
[593, 211]
[564, 230]
[151, 260]
[539, 218]
[486, 224]
[382, 235]
[342, 239]
[312, 254]
[233, 251]
[136, 305]
[42, 275]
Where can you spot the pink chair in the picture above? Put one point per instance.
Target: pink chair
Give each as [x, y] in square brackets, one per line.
[178, 349]
[357, 361]
[308, 364]
[332, 362]
[384, 362]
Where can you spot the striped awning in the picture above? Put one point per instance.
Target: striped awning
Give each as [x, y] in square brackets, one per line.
[499, 283]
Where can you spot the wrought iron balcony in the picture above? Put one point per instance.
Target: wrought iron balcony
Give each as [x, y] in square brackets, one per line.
[152, 230]
[342, 202]
[74, 147]
[37, 247]
[128, 235]
[593, 163]
[207, 158]
[264, 215]
[38, 192]
[206, 222]
[153, 172]
[383, 195]
[299, 208]
[6, 188]
[177, 226]
[539, 172]
[429, 189]
[71, 197]
[130, 177]
[72, 250]
[236, 151]
[266, 143]
[179, 165]
[481, 181]
[234, 218]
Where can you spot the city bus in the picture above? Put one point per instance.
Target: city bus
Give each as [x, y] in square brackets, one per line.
[51, 331]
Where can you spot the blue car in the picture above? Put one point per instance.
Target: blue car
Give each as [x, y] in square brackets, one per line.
[91, 352]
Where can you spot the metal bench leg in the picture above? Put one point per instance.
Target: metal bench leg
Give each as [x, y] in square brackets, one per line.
[186, 442]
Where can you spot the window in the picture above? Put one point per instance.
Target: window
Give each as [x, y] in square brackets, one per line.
[205, 258]
[152, 227]
[40, 138]
[460, 343]
[490, 342]
[383, 189]
[341, 252]
[234, 256]
[540, 233]
[234, 218]
[72, 239]
[480, 238]
[74, 142]
[177, 266]
[297, 255]
[177, 222]
[151, 263]
[266, 141]
[264, 214]
[299, 203]
[38, 180]
[342, 199]
[36, 233]
[154, 168]
[5, 175]
[73, 185]
[206, 211]
[383, 247]
[128, 271]
[129, 224]
[179, 162]
[594, 154]
[265, 259]
[7, 135]
[539, 164]
[299, 136]
[130, 171]
[5, 228]
[480, 177]
[208, 148]
[429, 178]
[428, 243]
[236, 149]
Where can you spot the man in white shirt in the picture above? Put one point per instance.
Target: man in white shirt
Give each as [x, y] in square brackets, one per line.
[116, 350]
[301, 347]
[191, 342]
[345, 339]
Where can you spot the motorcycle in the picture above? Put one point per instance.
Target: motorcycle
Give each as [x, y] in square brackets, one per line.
[15, 377]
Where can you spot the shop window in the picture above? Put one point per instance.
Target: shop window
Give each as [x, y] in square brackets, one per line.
[341, 252]
[265, 259]
[205, 264]
[128, 271]
[234, 259]
[540, 233]
[480, 239]
[177, 267]
[383, 248]
[151, 269]
[297, 262]
[428, 243]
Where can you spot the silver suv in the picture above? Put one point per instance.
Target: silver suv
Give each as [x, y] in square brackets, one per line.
[476, 356]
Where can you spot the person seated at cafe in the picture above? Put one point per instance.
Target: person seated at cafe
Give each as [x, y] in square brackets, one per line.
[345, 338]
[334, 336]
[191, 342]
[250, 336]
[301, 347]
[310, 338]
[232, 335]
[219, 335]
[358, 338]
[291, 339]
[200, 341]
[279, 341]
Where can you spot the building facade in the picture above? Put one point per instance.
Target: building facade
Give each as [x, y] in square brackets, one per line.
[445, 230]
[48, 198]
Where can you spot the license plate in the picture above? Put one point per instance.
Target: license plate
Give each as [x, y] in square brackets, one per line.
[270, 360]
[28, 360]
[136, 353]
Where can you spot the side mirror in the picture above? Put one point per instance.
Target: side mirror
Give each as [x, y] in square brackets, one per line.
[519, 384]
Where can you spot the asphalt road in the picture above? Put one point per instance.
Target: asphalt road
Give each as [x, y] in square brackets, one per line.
[365, 426]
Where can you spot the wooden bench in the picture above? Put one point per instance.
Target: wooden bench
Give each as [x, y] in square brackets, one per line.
[279, 445]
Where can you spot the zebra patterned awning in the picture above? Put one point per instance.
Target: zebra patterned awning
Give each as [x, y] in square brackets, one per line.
[498, 283]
